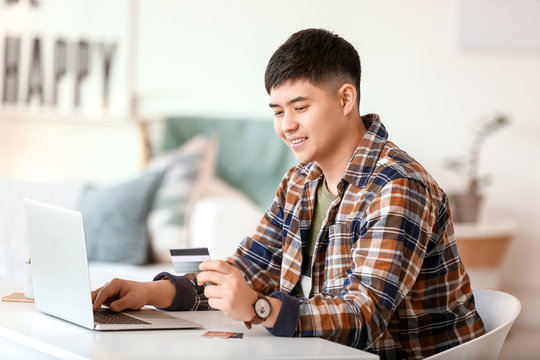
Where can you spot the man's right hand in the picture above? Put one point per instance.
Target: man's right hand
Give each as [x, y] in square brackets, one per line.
[121, 294]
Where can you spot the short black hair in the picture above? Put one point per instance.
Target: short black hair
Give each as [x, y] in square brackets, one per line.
[317, 55]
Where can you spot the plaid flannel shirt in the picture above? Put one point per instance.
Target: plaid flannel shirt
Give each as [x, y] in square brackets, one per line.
[386, 274]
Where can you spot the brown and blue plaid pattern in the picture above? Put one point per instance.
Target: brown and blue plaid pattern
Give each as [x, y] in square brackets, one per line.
[386, 272]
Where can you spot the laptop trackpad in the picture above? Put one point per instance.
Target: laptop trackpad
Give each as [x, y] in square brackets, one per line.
[148, 314]
[156, 317]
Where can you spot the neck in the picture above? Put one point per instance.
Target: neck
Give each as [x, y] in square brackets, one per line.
[334, 166]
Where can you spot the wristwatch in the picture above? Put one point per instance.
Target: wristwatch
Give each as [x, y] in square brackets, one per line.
[263, 310]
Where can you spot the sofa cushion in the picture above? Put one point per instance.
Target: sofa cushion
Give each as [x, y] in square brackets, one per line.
[188, 170]
[115, 219]
[222, 218]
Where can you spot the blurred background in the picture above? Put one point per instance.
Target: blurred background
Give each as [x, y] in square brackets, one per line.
[77, 75]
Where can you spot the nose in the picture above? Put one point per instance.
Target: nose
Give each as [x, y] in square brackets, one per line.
[289, 123]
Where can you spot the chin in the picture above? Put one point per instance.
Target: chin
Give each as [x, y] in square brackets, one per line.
[303, 161]
[302, 157]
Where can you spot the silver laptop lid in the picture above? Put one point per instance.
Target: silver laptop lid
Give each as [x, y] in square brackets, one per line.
[59, 262]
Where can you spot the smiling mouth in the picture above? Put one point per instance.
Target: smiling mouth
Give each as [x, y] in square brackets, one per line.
[298, 141]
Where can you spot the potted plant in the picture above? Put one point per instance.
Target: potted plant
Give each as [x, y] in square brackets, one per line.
[481, 246]
[466, 206]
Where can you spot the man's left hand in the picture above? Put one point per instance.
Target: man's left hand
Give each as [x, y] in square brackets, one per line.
[227, 290]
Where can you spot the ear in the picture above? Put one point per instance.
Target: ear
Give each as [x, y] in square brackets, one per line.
[347, 96]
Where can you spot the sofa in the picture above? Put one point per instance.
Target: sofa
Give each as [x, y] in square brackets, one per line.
[206, 184]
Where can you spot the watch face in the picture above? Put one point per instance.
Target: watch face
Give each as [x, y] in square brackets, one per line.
[263, 308]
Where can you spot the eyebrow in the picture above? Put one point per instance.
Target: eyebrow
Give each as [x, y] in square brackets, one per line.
[296, 99]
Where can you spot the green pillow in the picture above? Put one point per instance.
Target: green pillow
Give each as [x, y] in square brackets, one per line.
[251, 157]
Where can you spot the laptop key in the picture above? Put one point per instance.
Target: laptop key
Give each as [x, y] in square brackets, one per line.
[106, 316]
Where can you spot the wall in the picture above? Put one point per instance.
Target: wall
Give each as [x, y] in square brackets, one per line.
[75, 151]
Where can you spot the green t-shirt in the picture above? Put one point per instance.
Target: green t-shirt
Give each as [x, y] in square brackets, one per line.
[323, 199]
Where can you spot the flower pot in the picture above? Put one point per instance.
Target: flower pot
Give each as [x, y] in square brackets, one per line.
[465, 207]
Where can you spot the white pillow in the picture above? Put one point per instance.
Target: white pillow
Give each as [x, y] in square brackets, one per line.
[222, 218]
[188, 170]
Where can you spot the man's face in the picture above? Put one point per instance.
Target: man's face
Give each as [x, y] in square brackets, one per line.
[309, 120]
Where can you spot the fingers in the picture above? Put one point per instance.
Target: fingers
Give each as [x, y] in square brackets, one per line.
[108, 292]
[122, 294]
[217, 303]
[213, 292]
[229, 291]
[96, 292]
[119, 305]
[214, 271]
[216, 265]
[97, 298]
[212, 277]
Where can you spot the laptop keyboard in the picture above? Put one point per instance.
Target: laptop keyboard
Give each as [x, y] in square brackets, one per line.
[106, 316]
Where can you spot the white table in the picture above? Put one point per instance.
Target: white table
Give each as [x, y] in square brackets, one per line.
[28, 333]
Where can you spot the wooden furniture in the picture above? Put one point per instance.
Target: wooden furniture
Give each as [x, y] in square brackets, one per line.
[482, 248]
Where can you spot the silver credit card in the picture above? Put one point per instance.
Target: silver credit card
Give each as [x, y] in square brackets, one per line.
[186, 261]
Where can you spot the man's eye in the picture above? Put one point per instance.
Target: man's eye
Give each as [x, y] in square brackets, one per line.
[301, 108]
[278, 113]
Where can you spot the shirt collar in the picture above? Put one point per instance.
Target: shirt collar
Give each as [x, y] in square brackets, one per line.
[367, 153]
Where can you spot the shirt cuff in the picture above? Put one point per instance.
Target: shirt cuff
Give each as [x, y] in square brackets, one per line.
[287, 319]
[185, 291]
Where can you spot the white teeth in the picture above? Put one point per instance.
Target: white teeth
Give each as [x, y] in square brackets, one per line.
[297, 141]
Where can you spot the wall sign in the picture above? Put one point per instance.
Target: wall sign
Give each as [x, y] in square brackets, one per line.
[64, 58]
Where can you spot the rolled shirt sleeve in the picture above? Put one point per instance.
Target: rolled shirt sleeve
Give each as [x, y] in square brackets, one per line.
[189, 296]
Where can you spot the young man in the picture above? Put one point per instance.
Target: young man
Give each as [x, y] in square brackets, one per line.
[358, 246]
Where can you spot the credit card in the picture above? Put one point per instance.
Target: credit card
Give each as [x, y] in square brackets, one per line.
[218, 334]
[186, 261]
[222, 335]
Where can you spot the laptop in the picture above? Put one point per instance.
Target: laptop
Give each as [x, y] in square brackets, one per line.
[61, 279]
